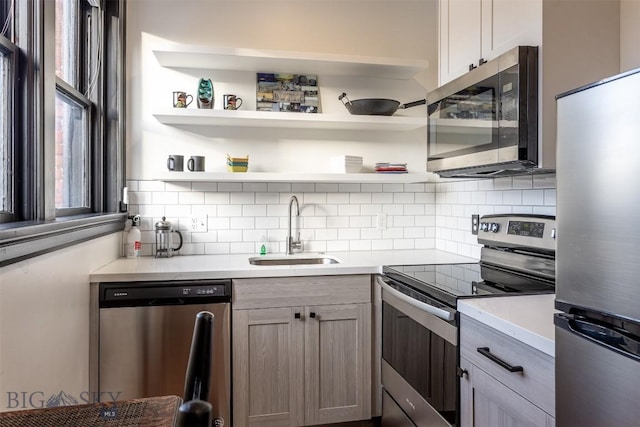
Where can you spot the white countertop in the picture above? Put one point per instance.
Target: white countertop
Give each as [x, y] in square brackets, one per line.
[185, 267]
[527, 318]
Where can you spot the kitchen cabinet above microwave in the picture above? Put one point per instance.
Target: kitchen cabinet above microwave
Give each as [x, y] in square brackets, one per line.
[473, 32]
[577, 44]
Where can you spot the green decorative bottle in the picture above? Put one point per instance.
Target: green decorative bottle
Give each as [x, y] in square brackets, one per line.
[205, 94]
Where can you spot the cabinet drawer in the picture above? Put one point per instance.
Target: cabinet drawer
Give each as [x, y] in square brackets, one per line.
[536, 382]
[302, 290]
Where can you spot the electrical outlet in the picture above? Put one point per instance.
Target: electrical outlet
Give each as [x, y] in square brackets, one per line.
[197, 223]
[381, 221]
[475, 224]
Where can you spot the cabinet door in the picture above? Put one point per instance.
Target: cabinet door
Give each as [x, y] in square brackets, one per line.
[486, 402]
[268, 367]
[510, 23]
[460, 42]
[338, 363]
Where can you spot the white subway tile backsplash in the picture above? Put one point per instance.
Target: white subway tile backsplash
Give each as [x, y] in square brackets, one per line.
[241, 223]
[360, 221]
[204, 186]
[403, 198]
[191, 198]
[301, 187]
[177, 211]
[550, 197]
[382, 198]
[335, 217]
[313, 198]
[216, 198]
[338, 221]
[349, 188]
[267, 222]
[254, 210]
[512, 197]
[218, 223]
[229, 235]
[360, 198]
[348, 234]
[279, 187]
[326, 187]
[314, 222]
[338, 198]
[177, 186]
[370, 188]
[230, 186]
[381, 245]
[392, 188]
[248, 198]
[360, 245]
[348, 210]
[164, 198]
[217, 248]
[151, 186]
[533, 197]
[256, 187]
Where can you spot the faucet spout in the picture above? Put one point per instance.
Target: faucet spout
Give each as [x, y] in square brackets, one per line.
[291, 243]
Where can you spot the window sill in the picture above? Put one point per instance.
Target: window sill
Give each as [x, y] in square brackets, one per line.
[23, 240]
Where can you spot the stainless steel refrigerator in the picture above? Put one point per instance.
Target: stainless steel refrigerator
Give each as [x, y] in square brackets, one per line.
[598, 254]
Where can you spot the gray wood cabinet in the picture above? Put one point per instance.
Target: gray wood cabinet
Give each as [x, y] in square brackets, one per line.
[491, 395]
[307, 363]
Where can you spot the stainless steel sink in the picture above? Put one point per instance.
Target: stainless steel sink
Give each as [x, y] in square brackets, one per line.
[293, 260]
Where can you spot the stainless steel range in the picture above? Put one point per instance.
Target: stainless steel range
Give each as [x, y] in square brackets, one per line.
[420, 321]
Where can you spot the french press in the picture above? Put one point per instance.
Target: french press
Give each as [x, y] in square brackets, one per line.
[164, 239]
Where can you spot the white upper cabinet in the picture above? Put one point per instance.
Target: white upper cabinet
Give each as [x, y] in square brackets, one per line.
[473, 31]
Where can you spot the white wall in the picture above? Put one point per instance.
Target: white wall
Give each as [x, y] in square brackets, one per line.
[397, 29]
[629, 34]
[44, 322]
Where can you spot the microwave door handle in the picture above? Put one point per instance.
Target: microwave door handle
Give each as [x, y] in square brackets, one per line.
[442, 314]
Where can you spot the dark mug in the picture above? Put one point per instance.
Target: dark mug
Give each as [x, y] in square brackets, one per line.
[196, 164]
[175, 163]
[231, 102]
[181, 99]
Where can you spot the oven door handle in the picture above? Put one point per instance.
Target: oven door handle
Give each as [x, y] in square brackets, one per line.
[439, 312]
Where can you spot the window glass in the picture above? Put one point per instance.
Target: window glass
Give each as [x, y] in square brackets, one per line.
[6, 18]
[67, 41]
[71, 165]
[5, 136]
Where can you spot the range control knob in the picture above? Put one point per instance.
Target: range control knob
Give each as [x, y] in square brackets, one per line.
[484, 226]
[495, 227]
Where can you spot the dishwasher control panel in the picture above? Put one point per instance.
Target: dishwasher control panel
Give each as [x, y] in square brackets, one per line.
[164, 293]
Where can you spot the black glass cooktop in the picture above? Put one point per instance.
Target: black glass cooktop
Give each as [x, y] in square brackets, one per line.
[449, 282]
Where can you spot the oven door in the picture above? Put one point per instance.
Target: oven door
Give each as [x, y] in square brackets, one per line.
[419, 356]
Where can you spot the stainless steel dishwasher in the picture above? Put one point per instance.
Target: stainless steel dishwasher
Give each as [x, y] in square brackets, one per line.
[145, 331]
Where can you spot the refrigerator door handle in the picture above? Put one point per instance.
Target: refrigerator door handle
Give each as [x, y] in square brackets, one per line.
[606, 336]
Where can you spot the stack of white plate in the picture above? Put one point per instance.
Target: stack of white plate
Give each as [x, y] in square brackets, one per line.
[346, 164]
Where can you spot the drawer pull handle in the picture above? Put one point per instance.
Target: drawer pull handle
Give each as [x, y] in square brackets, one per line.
[297, 315]
[487, 353]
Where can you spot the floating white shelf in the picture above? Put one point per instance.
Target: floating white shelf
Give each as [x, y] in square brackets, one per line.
[268, 119]
[405, 178]
[258, 60]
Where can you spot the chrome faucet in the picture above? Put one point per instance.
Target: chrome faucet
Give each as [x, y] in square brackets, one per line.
[293, 244]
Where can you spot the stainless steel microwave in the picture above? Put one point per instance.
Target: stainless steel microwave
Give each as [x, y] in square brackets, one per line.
[485, 123]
